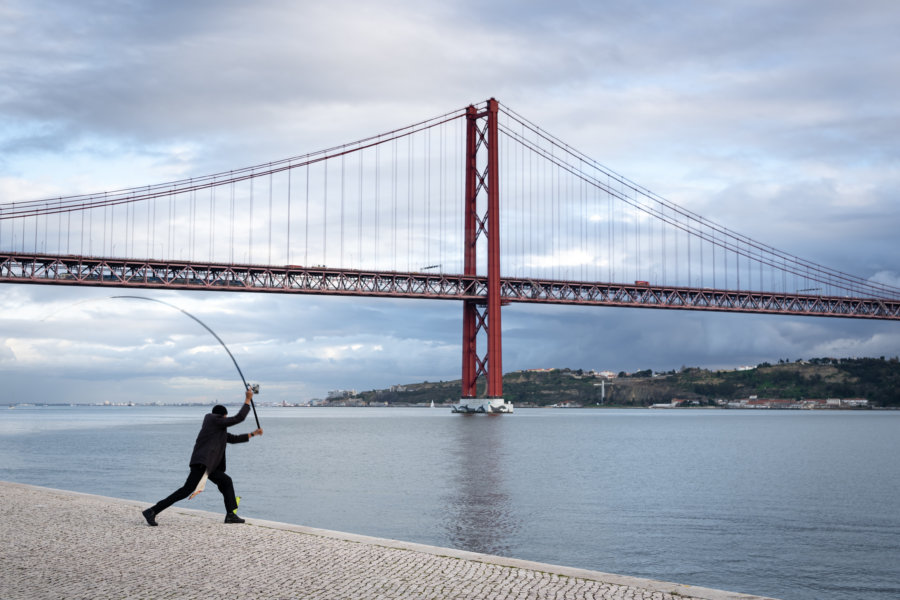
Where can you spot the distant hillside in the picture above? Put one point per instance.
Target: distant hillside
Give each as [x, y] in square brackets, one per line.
[876, 379]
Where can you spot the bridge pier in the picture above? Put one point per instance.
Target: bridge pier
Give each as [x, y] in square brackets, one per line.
[483, 405]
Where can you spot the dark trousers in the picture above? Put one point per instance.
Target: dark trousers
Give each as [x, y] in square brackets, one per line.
[220, 478]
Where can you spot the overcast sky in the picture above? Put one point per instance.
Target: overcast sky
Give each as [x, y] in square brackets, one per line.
[780, 120]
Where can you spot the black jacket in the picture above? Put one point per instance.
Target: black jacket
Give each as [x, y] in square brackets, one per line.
[209, 449]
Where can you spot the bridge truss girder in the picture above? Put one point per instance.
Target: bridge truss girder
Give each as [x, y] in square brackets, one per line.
[126, 273]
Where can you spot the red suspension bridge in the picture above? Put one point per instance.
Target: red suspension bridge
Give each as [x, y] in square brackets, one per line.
[478, 205]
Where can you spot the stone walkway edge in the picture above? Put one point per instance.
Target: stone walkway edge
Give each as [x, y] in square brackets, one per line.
[320, 562]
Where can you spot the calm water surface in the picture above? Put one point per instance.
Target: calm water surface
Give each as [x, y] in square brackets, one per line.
[795, 505]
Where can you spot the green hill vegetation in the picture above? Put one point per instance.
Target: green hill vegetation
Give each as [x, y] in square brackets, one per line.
[875, 379]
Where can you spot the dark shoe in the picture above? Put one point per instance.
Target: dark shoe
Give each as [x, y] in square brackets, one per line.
[233, 518]
[150, 516]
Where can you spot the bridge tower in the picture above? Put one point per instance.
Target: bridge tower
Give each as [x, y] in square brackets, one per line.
[482, 315]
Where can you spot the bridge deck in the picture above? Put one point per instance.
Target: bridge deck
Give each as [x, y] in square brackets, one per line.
[59, 544]
[295, 279]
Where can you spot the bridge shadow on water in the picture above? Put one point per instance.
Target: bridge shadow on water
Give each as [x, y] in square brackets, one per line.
[480, 517]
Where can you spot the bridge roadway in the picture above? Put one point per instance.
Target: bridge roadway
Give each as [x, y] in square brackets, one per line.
[60, 544]
[221, 277]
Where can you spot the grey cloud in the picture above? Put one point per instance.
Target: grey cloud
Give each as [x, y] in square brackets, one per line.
[777, 120]
[282, 341]
[619, 339]
[420, 342]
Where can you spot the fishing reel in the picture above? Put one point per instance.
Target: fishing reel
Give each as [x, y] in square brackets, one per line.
[255, 388]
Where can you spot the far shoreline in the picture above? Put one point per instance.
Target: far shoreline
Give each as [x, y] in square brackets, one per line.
[12, 406]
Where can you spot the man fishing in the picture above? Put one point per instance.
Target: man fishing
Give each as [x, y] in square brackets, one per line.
[208, 458]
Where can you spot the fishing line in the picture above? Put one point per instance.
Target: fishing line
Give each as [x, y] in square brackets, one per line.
[205, 326]
[202, 324]
[67, 307]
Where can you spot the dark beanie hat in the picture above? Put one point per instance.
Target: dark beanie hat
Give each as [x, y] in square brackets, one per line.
[218, 409]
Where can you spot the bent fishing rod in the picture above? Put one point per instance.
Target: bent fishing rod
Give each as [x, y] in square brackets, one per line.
[247, 386]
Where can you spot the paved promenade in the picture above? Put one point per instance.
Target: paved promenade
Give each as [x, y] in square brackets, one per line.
[59, 544]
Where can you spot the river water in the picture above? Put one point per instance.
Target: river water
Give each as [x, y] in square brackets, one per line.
[790, 504]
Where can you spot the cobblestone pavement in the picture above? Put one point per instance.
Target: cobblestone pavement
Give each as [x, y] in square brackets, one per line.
[59, 544]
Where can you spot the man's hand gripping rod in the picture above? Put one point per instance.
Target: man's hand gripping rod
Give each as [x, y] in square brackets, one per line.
[255, 388]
